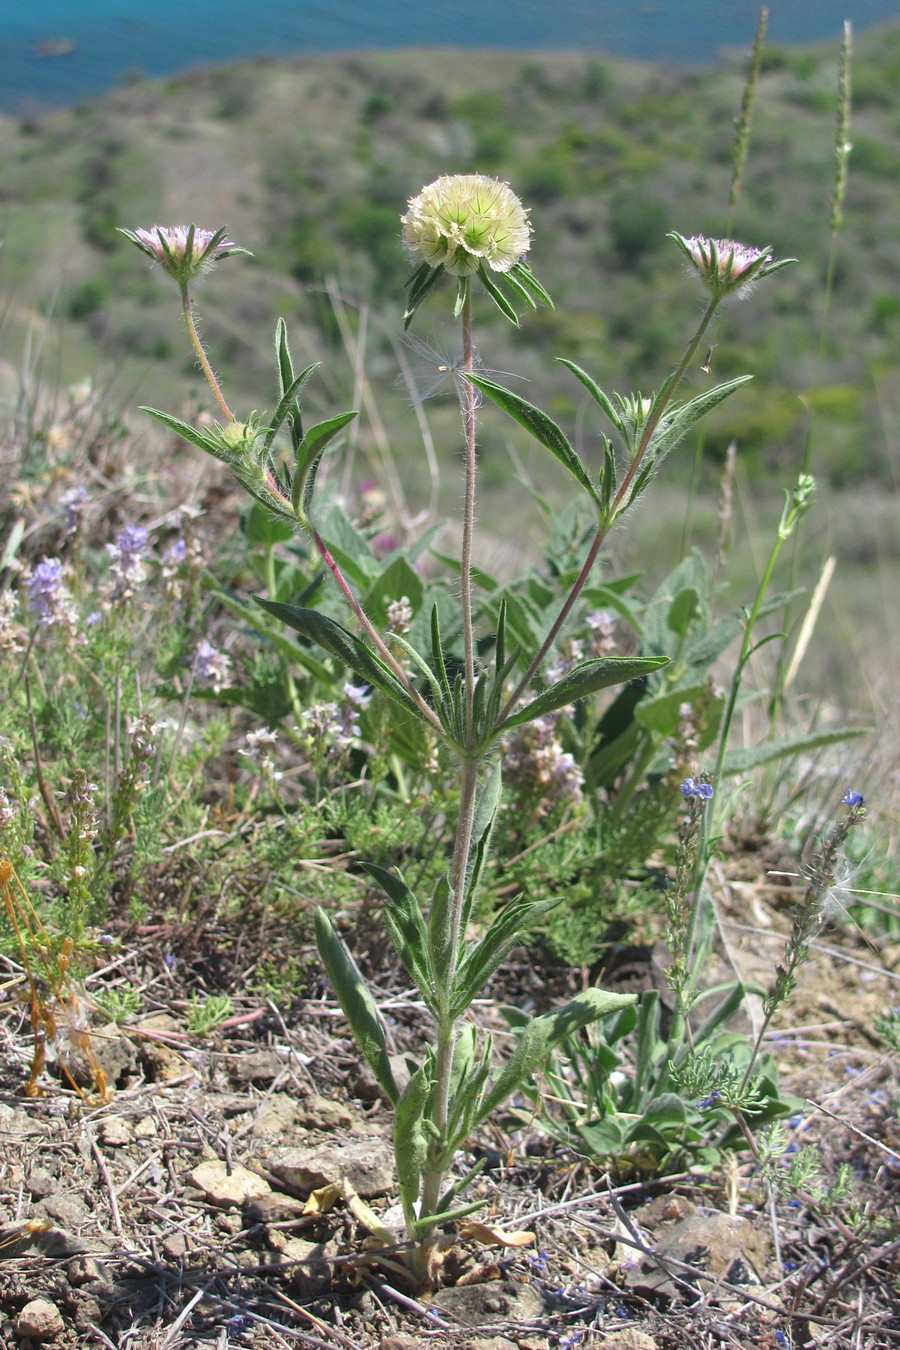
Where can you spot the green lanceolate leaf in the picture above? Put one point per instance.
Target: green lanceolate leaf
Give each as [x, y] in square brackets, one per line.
[585, 679]
[677, 424]
[602, 400]
[283, 355]
[410, 1140]
[357, 1003]
[423, 280]
[515, 285]
[541, 427]
[483, 957]
[406, 928]
[309, 455]
[463, 1058]
[437, 655]
[422, 666]
[649, 1047]
[201, 439]
[540, 1035]
[482, 828]
[342, 644]
[286, 647]
[741, 761]
[440, 943]
[497, 296]
[466, 1101]
[288, 409]
[524, 275]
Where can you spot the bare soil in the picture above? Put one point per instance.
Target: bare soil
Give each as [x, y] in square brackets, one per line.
[206, 1203]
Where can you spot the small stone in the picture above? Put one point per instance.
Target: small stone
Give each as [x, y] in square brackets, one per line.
[228, 1223]
[146, 1128]
[314, 1275]
[39, 1320]
[277, 1116]
[367, 1164]
[366, 1087]
[67, 1210]
[174, 1247]
[474, 1304]
[225, 1188]
[83, 1270]
[41, 1183]
[321, 1113]
[161, 1064]
[727, 1247]
[116, 1053]
[115, 1132]
[257, 1066]
[273, 1208]
[87, 1312]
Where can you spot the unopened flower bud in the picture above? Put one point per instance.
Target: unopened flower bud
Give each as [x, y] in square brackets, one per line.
[724, 265]
[184, 251]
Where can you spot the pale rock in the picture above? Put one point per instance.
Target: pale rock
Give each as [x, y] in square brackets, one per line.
[225, 1188]
[367, 1164]
[321, 1113]
[40, 1320]
[115, 1132]
[498, 1301]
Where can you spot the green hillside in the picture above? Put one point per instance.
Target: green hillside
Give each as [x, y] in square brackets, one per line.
[310, 162]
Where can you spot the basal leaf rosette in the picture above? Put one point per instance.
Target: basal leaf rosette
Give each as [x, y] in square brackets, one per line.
[469, 224]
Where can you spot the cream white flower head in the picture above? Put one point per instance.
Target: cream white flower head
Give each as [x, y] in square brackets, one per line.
[462, 222]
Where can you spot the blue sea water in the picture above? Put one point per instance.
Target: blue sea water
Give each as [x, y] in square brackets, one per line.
[63, 51]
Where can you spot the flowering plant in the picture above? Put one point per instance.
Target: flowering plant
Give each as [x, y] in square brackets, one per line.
[476, 695]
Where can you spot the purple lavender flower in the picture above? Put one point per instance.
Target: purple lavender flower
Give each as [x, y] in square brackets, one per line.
[539, 770]
[44, 587]
[48, 596]
[853, 799]
[132, 541]
[127, 572]
[691, 788]
[357, 694]
[211, 666]
[75, 500]
[176, 553]
[602, 625]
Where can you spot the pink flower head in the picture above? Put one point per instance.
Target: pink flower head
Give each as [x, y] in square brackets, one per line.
[184, 251]
[724, 265]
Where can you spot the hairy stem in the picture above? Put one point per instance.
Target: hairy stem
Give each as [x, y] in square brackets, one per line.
[603, 525]
[201, 354]
[468, 779]
[468, 411]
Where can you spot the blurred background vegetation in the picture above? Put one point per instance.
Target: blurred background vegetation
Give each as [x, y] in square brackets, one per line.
[309, 163]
